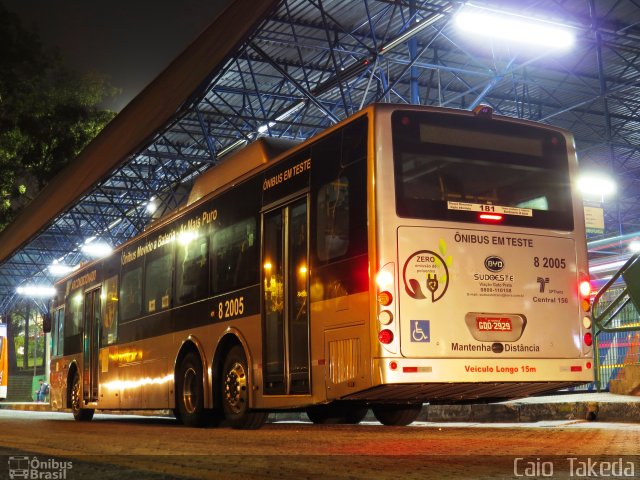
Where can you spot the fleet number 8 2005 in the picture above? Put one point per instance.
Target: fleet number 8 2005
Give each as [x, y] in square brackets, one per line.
[231, 308]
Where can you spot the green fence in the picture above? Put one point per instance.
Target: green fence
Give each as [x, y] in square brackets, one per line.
[617, 324]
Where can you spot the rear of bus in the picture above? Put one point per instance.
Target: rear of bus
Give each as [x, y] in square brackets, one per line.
[481, 254]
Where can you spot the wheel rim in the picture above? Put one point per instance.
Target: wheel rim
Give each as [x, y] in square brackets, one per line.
[235, 387]
[75, 396]
[190, 390]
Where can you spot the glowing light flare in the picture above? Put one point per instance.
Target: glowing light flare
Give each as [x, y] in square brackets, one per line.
[39, 291]
[267, 266]
[634, 246]
[585, 289]
[97, 250]
[59, 269]
[303, 270]
[490, 217]
[597, 184]
[514, 28]
[384, 280]
[186, 237]
[120, 385]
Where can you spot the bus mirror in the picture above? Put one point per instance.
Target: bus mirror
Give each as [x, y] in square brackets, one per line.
[46, 323]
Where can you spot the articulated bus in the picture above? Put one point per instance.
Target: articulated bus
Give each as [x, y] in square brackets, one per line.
[4, 361]
[405, 255]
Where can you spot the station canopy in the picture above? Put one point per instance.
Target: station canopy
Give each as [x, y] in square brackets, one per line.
[292, 68]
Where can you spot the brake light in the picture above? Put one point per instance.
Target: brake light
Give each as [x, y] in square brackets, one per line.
[490, 217]
[585, 289]
[385, 336]
[588, 339]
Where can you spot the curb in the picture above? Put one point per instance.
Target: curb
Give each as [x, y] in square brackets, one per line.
[512, 412]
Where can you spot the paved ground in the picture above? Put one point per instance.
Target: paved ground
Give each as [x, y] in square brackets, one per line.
[129, 447]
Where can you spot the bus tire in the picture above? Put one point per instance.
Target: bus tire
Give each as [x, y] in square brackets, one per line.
[79, 413]
[336, 413]
[396, 415]
[190, 392]
[235, 392]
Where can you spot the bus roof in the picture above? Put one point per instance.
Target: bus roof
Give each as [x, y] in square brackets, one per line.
[263, 150]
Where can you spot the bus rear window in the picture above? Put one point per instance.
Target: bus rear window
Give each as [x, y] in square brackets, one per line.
[449, 167]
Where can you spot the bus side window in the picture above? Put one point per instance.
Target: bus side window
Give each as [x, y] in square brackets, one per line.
[73, 323]
[110, 315]
[57, 332]
[333, 219]
[158, 274]
[131, 293]
[192, 265]
[234, 256]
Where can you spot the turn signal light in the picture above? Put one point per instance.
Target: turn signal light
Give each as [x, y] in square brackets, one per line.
[385, 336]
[385, 298]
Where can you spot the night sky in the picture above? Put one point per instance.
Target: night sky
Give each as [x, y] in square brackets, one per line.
[132, 41]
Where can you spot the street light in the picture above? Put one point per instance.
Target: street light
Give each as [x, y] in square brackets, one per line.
[96, 249]
[596, 185]
[36, 291]
[60, 270]
[513, 28]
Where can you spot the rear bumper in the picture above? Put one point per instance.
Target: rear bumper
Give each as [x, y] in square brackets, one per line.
[465, 379]
[451, 393]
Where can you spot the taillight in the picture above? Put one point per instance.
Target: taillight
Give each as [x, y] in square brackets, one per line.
[585, 289]
[588, 339]
[384, 279]
[385, 336]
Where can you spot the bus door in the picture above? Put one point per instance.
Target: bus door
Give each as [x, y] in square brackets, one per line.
[285, 283]
[91, 344]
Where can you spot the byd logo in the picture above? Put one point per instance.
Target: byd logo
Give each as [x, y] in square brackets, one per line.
[493, 263]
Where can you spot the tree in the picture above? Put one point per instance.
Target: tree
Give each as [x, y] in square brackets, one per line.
[47, 114]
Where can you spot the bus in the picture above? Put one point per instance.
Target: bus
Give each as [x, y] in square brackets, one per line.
[4, 361]
[405, 255]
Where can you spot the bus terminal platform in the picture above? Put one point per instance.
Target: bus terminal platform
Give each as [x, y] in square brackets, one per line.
[593, 406]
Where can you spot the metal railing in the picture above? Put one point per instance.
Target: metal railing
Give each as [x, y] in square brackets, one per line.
[616, 318]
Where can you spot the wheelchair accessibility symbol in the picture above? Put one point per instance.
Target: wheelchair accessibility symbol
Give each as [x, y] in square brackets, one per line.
[420, 331]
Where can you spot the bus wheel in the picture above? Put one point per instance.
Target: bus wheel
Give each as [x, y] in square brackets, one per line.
[79, 413]
[190, 392]
[355, 414]
[397, 415]
[336, 412]
[235, 392]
